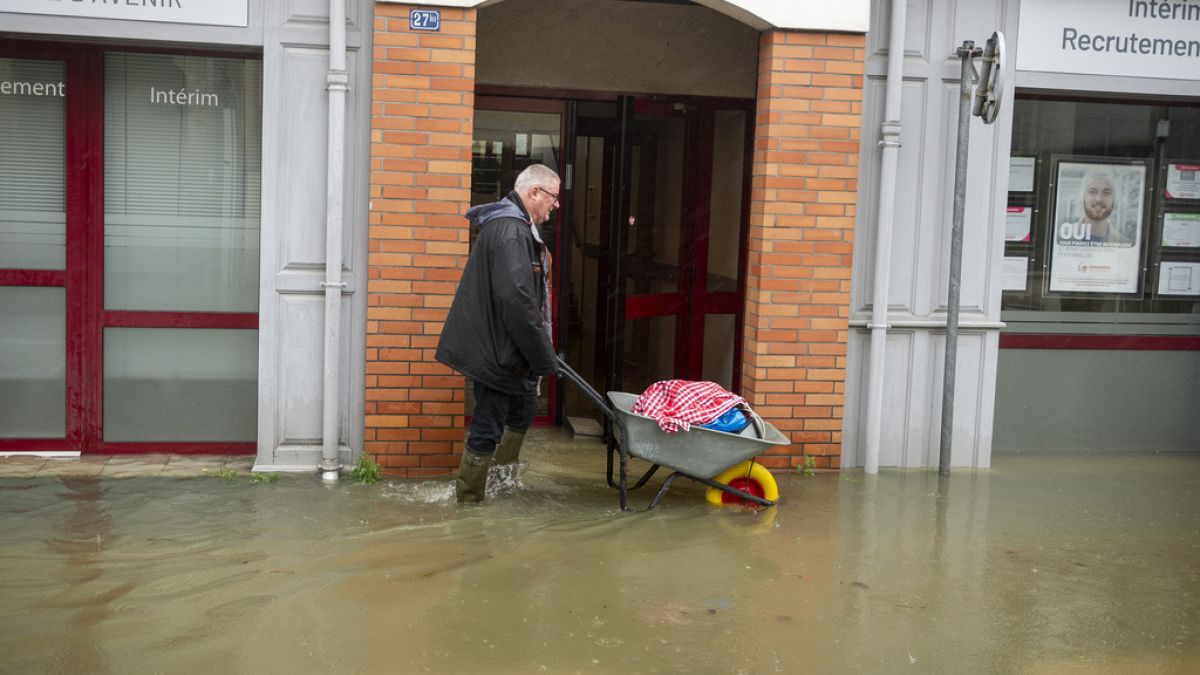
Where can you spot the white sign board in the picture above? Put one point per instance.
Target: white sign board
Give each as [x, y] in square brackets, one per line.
[1181, 229]
[1179, 278]
[1020, 174]
[1018, 222]
[1133, 38]
[208, 12]
[1014, 273]
[1183, 181]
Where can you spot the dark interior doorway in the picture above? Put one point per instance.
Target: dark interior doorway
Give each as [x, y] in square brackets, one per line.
[650, 239]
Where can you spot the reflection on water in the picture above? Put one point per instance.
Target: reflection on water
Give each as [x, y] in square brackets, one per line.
[1041, 565]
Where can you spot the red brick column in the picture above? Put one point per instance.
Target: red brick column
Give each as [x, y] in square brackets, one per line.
[803, 195]
[422, 114]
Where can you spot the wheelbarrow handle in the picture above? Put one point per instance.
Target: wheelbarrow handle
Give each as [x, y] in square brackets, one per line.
[578, 381]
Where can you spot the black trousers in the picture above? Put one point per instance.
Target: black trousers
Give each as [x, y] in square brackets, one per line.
[495, 410]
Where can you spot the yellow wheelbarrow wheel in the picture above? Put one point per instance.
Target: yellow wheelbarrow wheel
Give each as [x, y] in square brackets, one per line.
[750, 477]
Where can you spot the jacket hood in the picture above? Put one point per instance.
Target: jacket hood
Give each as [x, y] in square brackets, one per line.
[509, 207]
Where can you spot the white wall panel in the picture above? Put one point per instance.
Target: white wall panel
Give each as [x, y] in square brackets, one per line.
[300, 335]
[302, 156]
[920, 246]
[292, 316]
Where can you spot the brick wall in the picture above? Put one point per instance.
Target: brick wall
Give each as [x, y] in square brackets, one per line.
[802, 197]
[421, 125]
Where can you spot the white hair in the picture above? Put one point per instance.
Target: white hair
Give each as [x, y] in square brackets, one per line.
[535, 175]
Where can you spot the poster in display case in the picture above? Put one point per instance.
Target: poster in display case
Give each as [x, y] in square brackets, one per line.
[1181, 230]
[1097, 237]
[1179, 278]
[1183, 180]
[1015, 273]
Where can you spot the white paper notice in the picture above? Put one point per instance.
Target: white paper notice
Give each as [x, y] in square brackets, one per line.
[1015, 272]
[1020, 174]
[1181, 229]
[1183, 181]
[1017, 225]
[1179, 278]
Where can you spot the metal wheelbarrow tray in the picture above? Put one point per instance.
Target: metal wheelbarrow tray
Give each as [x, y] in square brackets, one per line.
[699, 453]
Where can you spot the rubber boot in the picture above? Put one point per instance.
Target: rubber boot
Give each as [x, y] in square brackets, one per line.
[471, 483]
[508, 450]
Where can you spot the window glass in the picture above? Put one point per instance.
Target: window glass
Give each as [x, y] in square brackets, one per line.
[725, 202]
[33, 348]
[1103, 221]
[182, 137]
[164, 384]
[32, 179]
[719, 339]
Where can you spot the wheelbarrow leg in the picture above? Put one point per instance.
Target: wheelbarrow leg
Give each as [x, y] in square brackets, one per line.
[611, 446]
[624, 477]
[663, 490]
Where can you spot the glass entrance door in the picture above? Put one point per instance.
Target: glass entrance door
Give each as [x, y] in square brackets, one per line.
[656, 234]
[679, 258]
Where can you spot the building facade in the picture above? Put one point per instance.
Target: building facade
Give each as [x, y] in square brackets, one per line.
[164, 228]
[236, 230]
[1064, 345]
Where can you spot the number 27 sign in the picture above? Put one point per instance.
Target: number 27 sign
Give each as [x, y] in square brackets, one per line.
[424, 19]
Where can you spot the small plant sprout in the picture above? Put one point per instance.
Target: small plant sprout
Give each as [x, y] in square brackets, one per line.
[264, 477]
[227, 474]
[367, 470]
[806, 468]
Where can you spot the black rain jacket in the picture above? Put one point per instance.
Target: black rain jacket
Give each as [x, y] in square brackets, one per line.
[496, 331]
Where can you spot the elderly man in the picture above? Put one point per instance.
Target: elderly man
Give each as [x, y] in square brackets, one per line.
[498, 329]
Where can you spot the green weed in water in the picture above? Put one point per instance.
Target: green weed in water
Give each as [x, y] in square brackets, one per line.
[226, 474]
[264, 477]
[367, 470]
[806, 469]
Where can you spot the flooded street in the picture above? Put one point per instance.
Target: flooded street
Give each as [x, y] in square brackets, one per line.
[1070, 564]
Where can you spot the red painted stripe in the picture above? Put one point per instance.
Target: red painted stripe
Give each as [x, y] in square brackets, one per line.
[37, 445]
[33, 278]
[181, 448]
[131, 319]
[1073, 341]
[650, 306]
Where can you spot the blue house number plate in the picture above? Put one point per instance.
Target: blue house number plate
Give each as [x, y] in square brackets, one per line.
[424, 19]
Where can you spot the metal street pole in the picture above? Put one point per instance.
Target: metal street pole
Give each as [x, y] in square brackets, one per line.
[986, 105]
[967, 52]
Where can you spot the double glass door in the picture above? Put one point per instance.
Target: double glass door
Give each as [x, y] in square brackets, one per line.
[129, 250]
[658, 216]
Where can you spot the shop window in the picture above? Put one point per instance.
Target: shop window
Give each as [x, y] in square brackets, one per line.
[129, 249]
[181, 183]
[182, 139]
[33, 212]
[1103, 215]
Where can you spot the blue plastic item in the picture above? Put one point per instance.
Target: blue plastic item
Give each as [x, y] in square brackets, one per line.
[732, 421]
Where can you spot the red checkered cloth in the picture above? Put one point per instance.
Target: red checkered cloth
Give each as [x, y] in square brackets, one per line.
[678, 404]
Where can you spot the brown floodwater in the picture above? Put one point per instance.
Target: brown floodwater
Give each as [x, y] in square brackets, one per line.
[1043, 564]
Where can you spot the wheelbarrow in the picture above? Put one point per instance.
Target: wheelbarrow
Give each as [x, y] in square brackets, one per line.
[721, 460]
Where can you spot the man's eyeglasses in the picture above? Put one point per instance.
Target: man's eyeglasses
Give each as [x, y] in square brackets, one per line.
[552, 195]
